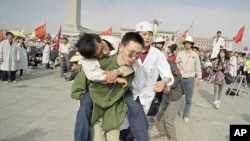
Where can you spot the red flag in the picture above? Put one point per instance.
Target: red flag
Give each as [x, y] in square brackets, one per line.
[41, 31]
[1, 34]
[237, 38]
[58, 38]
[108, 32]
[184, 35]
[245, 48]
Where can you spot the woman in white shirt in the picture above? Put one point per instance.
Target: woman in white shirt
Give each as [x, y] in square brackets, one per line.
[23, 64]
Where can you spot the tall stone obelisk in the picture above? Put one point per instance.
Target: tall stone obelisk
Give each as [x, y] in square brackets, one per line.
[73, 26]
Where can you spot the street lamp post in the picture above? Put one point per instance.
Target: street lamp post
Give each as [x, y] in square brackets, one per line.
[156, 23]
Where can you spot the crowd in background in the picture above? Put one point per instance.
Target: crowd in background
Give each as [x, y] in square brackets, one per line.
[188, 67]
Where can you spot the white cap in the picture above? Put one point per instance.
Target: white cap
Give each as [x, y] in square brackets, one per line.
[144, 26]
[159, 39]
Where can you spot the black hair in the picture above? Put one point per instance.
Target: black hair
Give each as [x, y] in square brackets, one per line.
[64, 38]
[109, 45]
[7, 33]
[86, 45]
[218, 32]
[132, 36]
[227, 55]
[195, 47]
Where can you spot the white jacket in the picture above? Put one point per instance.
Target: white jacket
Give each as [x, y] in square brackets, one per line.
[216, 46]
[146, 75]
[10, 54]
[23, 64]
[233, 68]
[46, 54]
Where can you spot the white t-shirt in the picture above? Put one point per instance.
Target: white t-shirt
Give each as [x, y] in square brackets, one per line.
[64, 48]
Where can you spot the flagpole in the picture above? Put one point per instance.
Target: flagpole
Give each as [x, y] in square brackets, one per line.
[192, 28]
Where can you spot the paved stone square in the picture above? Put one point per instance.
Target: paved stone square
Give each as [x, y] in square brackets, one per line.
[39, 108]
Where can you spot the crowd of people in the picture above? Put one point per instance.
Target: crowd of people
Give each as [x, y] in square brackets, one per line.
[104, 86]
[119, 82]
[18, 55]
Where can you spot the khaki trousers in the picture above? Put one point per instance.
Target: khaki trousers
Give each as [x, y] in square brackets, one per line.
[98, 134]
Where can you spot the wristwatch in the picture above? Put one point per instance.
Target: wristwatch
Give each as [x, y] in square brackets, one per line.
[118, 72]
[165, 83]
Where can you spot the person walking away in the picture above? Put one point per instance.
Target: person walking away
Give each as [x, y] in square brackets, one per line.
[64, 49]
[9, 57]
[220, 66]
[189, 64]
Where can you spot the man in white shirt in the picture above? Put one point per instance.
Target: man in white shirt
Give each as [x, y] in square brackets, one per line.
[218, 43]
[148, 67]
[64, 49]
[233, 63]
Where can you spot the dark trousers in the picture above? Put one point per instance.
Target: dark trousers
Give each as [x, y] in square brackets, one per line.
[47, 65]
[5, 75]
[136, 118]
[21, 72]
[65, 63]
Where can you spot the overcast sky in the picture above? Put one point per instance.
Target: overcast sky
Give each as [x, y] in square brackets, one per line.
[207, 16]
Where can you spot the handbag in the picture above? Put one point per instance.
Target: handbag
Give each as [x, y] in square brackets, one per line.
[229, 78]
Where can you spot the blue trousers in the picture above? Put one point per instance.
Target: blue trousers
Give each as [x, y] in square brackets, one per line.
[136, 117]
[189, 88]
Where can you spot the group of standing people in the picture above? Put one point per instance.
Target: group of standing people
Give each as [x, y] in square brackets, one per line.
[151, 73]
[13, 57]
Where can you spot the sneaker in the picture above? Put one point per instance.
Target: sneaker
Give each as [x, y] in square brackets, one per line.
[14, 81]
[158, 136]
[217, 105]
[215, 102]
[186, 119]
[22, 77]
[5, 82]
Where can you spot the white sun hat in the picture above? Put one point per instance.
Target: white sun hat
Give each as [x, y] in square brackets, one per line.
[144, 26]
[188, 39]
[114, 41]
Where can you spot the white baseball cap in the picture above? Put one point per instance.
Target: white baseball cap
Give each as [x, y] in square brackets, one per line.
[144, 26]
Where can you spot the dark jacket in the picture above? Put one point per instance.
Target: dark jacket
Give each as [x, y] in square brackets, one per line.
[176, 92]
[177, 89]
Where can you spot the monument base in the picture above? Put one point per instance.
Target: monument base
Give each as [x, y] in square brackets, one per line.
[73, 32]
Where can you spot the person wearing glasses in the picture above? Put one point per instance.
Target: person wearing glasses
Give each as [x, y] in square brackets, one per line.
[111, 102]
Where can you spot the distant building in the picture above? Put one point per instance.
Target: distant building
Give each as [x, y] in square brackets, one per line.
[205, 44]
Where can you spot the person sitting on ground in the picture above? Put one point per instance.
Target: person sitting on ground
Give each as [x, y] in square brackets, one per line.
[206, 73]
[33, 62]
[76, 67]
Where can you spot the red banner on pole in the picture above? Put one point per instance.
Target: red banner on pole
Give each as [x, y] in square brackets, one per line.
[40, 31]
[237, 38]
[58, 38]
[108, 32]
